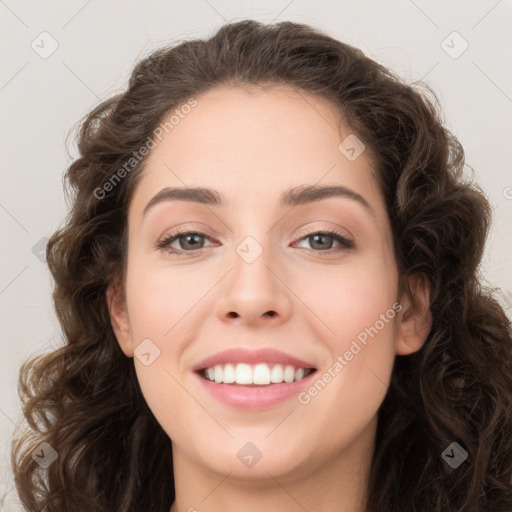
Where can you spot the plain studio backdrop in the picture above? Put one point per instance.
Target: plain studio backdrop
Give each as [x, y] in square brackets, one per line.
[60, 60]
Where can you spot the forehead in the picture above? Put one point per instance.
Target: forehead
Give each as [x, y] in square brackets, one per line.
[254, 139]
[252, 120]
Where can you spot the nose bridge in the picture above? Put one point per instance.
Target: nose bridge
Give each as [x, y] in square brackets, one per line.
[253, 244]
[252, 275]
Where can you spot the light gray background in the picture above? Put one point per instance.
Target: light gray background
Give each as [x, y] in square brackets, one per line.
[98, 43]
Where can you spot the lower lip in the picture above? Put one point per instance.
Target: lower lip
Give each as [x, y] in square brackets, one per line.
[254, 397]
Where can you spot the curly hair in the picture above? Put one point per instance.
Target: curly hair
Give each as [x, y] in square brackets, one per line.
[84, 398]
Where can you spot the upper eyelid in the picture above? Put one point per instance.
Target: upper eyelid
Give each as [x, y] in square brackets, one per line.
[301, 231]
[311, 231]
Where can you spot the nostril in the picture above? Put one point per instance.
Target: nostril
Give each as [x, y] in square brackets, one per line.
[232, 314]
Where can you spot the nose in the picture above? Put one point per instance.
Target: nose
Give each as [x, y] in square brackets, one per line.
[255, 292]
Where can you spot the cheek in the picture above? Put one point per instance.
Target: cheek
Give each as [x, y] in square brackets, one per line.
[348, 298]
[163, 302]
[161, 297]
[357, 303]
[158, 312]
[344, 398]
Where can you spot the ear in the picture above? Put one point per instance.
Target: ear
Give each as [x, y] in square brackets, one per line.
[415, 320]
[119, 317]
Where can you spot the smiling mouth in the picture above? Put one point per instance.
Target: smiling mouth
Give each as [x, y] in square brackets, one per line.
[255, 375]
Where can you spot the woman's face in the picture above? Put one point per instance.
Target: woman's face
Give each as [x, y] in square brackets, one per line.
[259, 270]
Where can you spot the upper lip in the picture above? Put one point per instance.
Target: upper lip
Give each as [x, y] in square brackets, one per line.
[241, 355]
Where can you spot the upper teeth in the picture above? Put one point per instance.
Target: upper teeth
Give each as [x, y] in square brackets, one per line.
[261, 373]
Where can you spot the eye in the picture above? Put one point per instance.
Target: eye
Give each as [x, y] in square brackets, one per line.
[189, 241]
[322, 241]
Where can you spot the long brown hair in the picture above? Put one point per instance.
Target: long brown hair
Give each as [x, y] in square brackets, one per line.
[84, 400]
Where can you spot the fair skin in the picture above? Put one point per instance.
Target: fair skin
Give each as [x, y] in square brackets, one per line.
[252, 144]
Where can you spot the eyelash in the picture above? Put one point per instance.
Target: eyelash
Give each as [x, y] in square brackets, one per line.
[164, 244]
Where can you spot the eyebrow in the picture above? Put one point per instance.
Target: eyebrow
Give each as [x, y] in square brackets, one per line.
[296, 196]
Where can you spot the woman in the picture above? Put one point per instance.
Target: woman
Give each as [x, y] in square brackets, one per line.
[268, 289]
